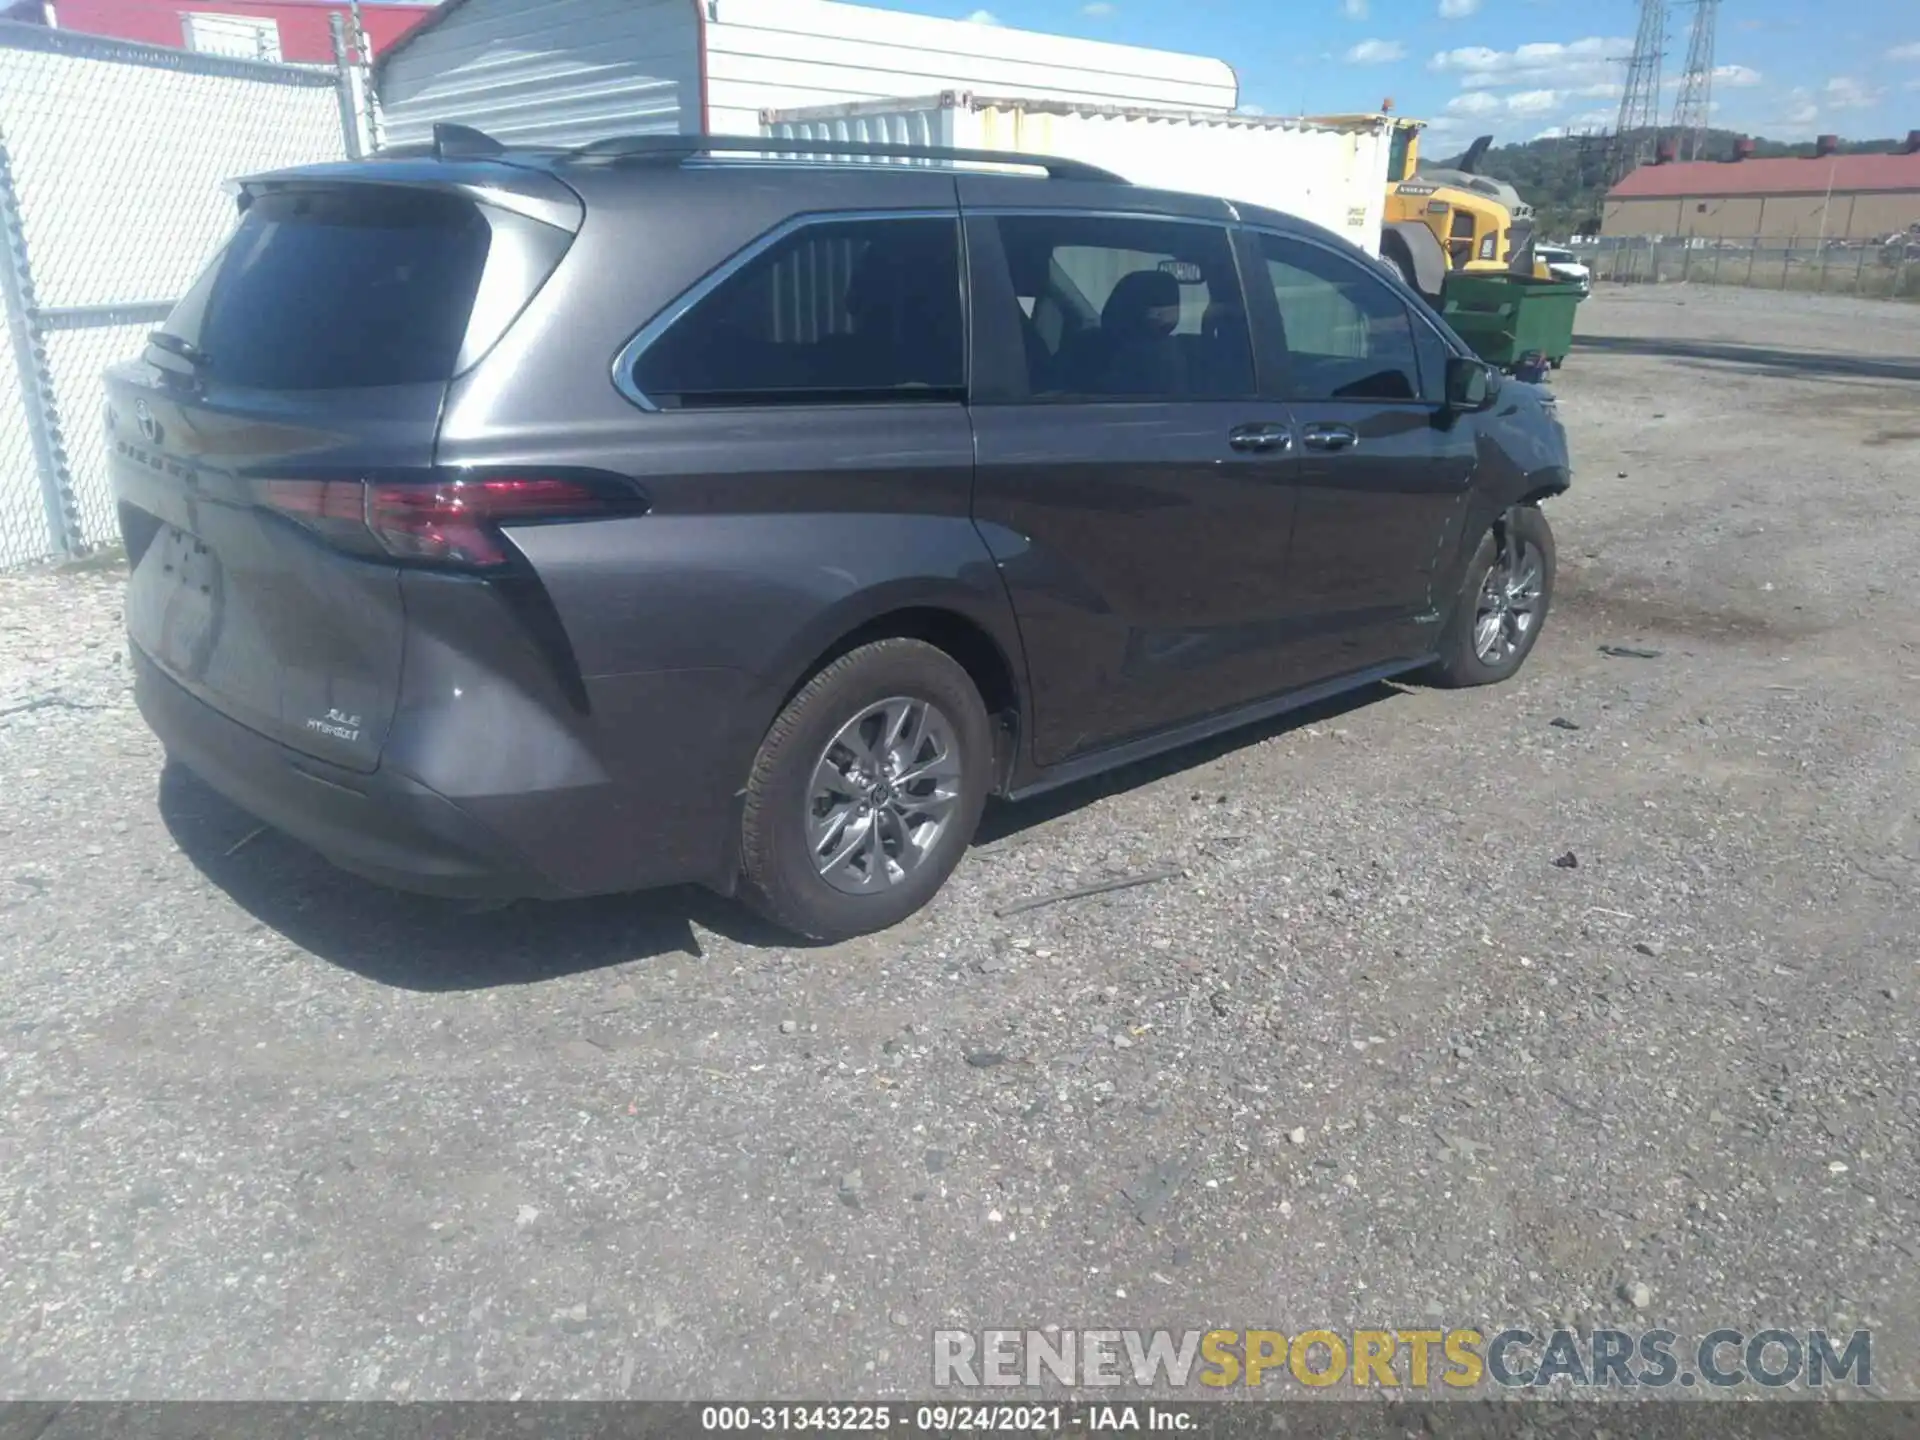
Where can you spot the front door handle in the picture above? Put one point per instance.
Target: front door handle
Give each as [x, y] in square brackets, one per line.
[1330, 437]
[1261, 439]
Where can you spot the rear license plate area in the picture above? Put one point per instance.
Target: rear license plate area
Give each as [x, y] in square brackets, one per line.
[184, 597]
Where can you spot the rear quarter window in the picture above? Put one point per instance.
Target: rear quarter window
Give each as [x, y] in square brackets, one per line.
[853, 311]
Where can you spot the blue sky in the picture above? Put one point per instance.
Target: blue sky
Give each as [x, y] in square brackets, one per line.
[1786, 69]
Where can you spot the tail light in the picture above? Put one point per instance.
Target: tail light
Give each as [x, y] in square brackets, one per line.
[453, 519]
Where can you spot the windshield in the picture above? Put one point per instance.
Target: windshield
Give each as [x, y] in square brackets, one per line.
[1397, 153]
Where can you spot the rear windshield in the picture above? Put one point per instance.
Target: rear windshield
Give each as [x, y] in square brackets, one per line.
[329, 290]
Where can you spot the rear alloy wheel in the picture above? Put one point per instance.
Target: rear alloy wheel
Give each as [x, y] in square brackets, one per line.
[885, 790]
[866, 791]
[1509, 587]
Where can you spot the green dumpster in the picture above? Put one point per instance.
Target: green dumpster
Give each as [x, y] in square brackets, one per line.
[1504, 317]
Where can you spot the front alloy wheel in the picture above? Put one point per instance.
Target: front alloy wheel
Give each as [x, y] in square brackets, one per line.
[1503, 602]
[1509, 600]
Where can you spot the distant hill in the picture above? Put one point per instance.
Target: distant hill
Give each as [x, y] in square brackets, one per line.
[1561, 178]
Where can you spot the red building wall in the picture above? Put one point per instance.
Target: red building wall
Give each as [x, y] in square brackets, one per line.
[304, 34]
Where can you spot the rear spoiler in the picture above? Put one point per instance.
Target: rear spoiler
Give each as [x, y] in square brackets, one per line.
[535, 193]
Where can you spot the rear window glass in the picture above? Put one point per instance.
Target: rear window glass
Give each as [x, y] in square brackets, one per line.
[322, 290]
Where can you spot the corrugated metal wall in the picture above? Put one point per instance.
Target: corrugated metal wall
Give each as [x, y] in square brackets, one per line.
[1334, 178]
[568, 71]
[1840, 216]
[561, 72]
[788, 53]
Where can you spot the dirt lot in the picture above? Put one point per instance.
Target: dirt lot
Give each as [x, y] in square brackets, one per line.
[1373, 1058]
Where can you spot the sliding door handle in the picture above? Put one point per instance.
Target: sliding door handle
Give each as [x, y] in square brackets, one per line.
[1330, 437]
[1267, 439]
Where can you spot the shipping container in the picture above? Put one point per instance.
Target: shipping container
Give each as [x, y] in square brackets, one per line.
[1334, 174]
[564, 72]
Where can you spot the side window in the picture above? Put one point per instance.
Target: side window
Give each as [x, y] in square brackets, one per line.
[1348, 336]
[839, 312]
[1118, 308]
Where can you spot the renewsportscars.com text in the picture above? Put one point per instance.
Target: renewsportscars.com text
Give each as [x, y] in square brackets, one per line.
[1410, 1359]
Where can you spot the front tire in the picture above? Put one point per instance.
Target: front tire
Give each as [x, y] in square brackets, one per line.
[866, 791]
[1395, 254]
[1502, 605]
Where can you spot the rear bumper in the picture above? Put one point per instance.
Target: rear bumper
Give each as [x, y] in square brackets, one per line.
[384, 826]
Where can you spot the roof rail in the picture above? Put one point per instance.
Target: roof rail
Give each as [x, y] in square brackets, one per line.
[669, 149]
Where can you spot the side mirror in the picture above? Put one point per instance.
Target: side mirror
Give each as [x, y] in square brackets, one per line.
[1471, 384]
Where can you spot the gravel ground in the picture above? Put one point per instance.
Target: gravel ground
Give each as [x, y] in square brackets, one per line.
[269, 1132]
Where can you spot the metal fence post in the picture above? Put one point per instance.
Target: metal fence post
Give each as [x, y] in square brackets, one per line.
[35, 374]
[1860, 270]
[363, 69]
[346, 78]
[1786, 259]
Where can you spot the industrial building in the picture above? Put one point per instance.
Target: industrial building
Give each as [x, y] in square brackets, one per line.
[1826, 196]
[568, 71]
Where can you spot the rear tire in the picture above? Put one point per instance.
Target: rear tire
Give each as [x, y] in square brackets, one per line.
[866, 792]
[1502, 605]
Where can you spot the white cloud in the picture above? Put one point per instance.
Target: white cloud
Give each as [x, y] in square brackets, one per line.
[1602, 90]
[1251, 110]
[1457, 9]
[1549, 63]
[1098, 10]
[1846, 93]
[1521, 102]
[1905, 52]
[1376, 52]
[1533, 102]
[983, 17]
[1802, 109]
[1473, 102]
[1737, 76]
[1354, 9]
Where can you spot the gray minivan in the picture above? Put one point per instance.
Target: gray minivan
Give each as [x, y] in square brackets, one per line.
[565, 522]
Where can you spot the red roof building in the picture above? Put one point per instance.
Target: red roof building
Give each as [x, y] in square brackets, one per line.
[1859, 197]
[295, 31]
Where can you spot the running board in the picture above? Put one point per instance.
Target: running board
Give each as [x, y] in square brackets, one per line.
[1098, 762]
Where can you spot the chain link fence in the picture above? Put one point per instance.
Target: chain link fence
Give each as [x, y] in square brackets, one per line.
[112, 162]
[1887, 269]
